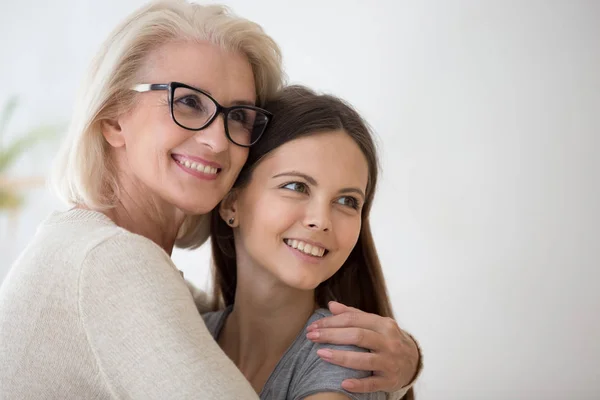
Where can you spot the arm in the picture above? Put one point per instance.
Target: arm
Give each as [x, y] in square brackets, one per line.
[394, 356]
[315, 376]
[144, 330]
[327, 396]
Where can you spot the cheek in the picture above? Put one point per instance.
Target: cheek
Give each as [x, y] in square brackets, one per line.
[237, 158]
[266, 218]
[151, 135]
[265, 222]
[348, 232]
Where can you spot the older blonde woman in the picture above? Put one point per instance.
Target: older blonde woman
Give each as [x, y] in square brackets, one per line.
[94, 308]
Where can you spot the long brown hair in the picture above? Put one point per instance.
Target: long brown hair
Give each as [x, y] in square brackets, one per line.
[299, 112]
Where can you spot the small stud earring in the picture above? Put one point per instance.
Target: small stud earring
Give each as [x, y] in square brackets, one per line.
[230, 222]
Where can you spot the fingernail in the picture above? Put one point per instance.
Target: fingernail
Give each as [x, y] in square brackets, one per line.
[325, 354]
[313, 335]
[348, 385]
[312, 327]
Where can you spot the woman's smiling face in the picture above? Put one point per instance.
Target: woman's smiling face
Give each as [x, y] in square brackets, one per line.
[191, 170]
[299, 217]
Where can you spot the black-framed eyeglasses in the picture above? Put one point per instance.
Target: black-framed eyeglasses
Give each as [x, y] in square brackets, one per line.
[194, 109]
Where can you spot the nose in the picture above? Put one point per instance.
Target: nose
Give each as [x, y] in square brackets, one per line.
[213, 136]
[318, 217]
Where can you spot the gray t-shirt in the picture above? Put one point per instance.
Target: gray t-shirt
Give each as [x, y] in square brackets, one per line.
[301, 372]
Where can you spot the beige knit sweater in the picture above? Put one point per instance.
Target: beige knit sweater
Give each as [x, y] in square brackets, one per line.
[92, 311]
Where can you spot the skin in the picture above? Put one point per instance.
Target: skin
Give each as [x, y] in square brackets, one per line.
[309, 189]
[156, 194]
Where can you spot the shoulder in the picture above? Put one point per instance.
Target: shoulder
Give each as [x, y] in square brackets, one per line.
[67, 244]
[80, 237]
[322, 313]
[313, 375]
[127, 266]
[319, 314]
[120, 249]
[91, 232]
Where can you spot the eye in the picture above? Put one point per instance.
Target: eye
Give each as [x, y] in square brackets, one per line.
[191, 101]
[299, 187]
[238, 115]
[349, 201]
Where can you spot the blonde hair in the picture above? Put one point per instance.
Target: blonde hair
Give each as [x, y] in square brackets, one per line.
[82, 174]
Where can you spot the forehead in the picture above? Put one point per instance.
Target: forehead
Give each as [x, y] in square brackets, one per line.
[332, 158]
[227, 75]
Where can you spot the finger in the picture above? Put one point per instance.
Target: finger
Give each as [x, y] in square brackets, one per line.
[364, 338]
[354, 359]
[368, 385]
[338, 308]
[350, 319]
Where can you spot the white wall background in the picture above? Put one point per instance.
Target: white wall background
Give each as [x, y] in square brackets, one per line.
[487, 218]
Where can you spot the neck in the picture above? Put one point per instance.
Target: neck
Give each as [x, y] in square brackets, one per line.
[143, 213]
[266, 319]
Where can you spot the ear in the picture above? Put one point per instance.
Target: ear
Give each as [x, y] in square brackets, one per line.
[112, 132]
[228, 208]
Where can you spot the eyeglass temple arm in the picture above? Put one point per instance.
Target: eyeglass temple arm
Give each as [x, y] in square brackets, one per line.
[146, 87]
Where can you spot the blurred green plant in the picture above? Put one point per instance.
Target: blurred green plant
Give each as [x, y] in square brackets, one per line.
[11, 197]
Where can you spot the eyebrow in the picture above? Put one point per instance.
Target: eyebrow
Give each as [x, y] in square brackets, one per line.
[235, 103]
[244, 103]
[313, 182]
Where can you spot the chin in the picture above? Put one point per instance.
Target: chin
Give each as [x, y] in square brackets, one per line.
[302, 282]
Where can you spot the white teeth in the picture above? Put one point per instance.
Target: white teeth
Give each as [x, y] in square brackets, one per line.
[198, 167]
[305, 247]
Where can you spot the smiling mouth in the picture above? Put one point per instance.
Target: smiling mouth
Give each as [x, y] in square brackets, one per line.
[306, 248]
[197, 166]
